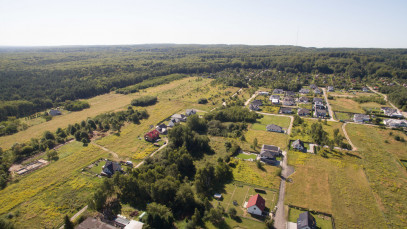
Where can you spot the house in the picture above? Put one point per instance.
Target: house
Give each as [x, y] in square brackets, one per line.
[303, 112]
[121, 222]
[254, 107]
[171, 123]
[134, 225]
[256, 205]
[91, 222]
[263, 93]
[275, 99]
[190, 112]
[278, 91]
[331, 89]
[317, 91]
[306, 221]
[361, 118]
[313, 86]
[304, 91]
[391, 112]
[303, 99]
[319, 105]
[365, 89]
[319, 113]
[162, 128]
[298, 145]
[288, 101]
[152, 136]
[257, 102]
[289, 93]
[286, 110]
[110, 168]
[316, 100]
[53, 112]
[269, 152]
[180, 117]
[274, 128]
[395, 123]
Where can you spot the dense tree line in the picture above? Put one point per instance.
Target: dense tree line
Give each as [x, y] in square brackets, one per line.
[397, 95]
[150, 83]
[76, 105]
[37, 78]
[147, 100]
[232, 114]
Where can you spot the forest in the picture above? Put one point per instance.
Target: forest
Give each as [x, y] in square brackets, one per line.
[33, 79]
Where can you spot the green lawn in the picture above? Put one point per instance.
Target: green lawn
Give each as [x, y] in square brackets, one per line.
[271, 119]
[247, 156]
[322, 221]
[270, 109]
[343, 116]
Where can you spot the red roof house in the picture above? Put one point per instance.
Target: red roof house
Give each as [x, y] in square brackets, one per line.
[256, 205]
[152, 135]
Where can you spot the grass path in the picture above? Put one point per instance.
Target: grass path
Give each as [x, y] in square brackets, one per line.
[354, 148]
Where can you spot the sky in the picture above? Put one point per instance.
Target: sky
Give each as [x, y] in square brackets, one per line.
[308, 23]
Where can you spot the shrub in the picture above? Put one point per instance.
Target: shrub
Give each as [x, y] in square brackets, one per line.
[144, 101]
[202, 101]
[76, 105]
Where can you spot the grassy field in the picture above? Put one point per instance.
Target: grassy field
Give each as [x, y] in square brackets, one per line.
[265, 137]
[271, 119]
[187, 91]
[243, 223]
[343, 116]
[299, 133]
[247, 171]
[241, 193]
[387, 178]
[42, 198]
[247, 156]
[346, 105]
[335, 185]
[270, 109]
[322, 221]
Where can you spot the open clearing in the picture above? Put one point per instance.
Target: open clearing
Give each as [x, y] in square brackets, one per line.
[335, 185]
[42, 198]
[387, 178]
[270, 119]
[265, 137]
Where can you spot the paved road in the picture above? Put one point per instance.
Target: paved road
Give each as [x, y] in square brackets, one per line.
[328, 105]
[347, 137]
[280, 221]
[106, 149]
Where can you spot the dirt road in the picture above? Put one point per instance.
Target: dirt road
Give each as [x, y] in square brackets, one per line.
[347, 137]
[331, 114]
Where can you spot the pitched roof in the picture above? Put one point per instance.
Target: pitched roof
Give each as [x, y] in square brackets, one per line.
[270, 151]
[275, 128]
[111, 167]
[304, 111]
[306, 220]
[274, 97]
[258, 201]
[189, 112]
[316, 99]
[285, 109]
[257, 102]
[297, 143]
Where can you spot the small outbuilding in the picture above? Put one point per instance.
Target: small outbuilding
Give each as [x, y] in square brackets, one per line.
[306, 221]
[110, 168]
[53, 112]
[274, 128]
[298, 145]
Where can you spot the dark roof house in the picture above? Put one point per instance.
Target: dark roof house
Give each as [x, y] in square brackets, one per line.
[289, 93]
[303, 112]
[303, 99]
[304, 91]
[53, 112]
[254, 107]
[189, 112]
[278, 91]
[306, 221]
[180, 117]
[110, 168]
[319, 113]
[94, 223]
[274, 97]
[316, 99]
[274, 128]
[162, 128]
[298, 145]
[286, 110]
[257, 102]
[270, 152]
[361, 118]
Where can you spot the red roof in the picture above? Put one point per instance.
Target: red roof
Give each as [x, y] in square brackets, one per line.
[153, 134]
[258, 201]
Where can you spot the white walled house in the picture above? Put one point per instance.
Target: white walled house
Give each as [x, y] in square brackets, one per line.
[256, 205]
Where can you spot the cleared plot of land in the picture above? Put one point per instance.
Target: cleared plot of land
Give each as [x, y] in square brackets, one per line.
[247, 156]
[248, 172]
[240, 223]
[346, 105]
[322, 222]
[335, 185]
[386, 176]
[270, 119]
[265, 137]
[43, 197]
[350, 94]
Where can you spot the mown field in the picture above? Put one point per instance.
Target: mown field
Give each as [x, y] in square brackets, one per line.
[322, 221]
[271, 119]
[335, 185]
[42, 198]
[387, 178]
[347, 104]
[265, 137]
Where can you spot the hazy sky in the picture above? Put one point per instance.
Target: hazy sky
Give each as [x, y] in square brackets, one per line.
[321, 23]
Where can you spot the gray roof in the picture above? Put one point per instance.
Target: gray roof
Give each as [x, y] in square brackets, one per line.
[274, 128]
[304, 91]
[270, 151]
[297, 143]
[313, 86]
[286, 110]
[320, 112]
[278, 91]
[189, 112]
[289, 93]
[304, 111]
[274, 97]
[122, 221]
[306, 220]
[111, 167]
[303, 99]
[254, 107]
[53, 112]
[316, 99]
[257, 102]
